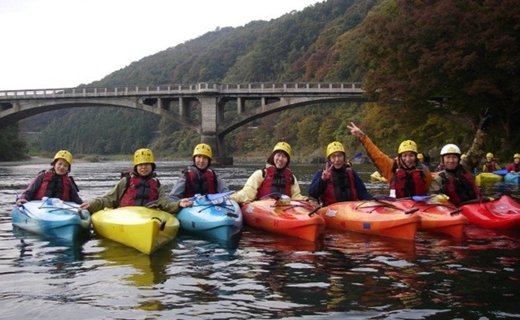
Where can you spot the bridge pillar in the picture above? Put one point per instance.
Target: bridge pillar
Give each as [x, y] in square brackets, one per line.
[211, 114]
[183, 109]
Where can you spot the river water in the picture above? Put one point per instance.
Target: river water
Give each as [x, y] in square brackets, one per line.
[346, 275]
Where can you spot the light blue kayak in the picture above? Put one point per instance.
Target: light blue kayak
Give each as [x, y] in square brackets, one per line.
[213, 216]
[512, 177]
[52, 218]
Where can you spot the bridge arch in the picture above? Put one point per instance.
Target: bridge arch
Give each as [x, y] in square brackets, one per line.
[19, 112]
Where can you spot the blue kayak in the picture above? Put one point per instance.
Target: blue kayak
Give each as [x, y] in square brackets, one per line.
[512, 177]
[212, 216]
[52, 218]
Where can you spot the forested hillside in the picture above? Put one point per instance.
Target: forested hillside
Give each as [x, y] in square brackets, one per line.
[434, 67]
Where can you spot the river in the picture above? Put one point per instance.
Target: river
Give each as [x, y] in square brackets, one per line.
[346, 275]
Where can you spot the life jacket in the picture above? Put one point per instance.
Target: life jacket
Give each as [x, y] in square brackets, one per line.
[200, 181]
[54, 186]
[515, 167]
[342, 187]
[490, 166]
[139, 190]
[460, 186]
[409, 183]
[275, 181]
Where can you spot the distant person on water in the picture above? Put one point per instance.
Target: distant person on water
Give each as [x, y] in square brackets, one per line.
[275, 178]
[54, 183]
[515, 166]
[455, 180]
[338, 181]
[490, 165]
[139, 187]
[407, 176]
[198, 178]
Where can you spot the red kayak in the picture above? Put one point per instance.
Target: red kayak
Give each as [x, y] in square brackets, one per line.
[371, 217]
[288, 217]
[501, 213]
[438, 217]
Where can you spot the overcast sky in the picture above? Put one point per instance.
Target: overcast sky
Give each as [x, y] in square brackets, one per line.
[64, 43]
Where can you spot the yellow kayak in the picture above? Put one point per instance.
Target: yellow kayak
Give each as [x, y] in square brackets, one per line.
[487, 178]
[142, 228]
[377, 177]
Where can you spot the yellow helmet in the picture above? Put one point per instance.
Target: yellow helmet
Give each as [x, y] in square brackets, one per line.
[143, 155]
[335, 146]
[420, 156]
[283, 146]
[203, 149]
[63, 154]
[490, 155]
[407, 145]
[516, 156]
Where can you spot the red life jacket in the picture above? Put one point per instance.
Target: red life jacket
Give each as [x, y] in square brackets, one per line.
[342, 187]
[275, 181]
[490, 166]
[409, 183]
[460, 186]
[515, 167]
[46, 189]
[139, 191]
[200, 181]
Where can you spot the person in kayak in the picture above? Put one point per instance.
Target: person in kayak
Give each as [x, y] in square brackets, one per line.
[338, 181]
[140, 187]
[407, 176]
[198, 178]
[490, 165]
[455, 180]
[515, 166]
[54, 182]
[275, 178]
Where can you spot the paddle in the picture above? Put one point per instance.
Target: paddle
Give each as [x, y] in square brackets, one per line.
[59, 204]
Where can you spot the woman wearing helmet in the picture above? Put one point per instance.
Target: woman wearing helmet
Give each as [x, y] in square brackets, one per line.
[407, 176]
[140, 187]
[490, 165]
[54, 182]
[274, 178]
[337, 182]
[454, 181]
[198, 178]
[515, 166]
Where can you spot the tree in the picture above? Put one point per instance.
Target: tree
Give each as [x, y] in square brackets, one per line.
[457, 56]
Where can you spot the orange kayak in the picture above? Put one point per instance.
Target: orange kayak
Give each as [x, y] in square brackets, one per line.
[292, 218]
[435, 217]
[371, 217]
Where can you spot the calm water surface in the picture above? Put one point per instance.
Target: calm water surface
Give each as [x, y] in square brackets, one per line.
[266, 276]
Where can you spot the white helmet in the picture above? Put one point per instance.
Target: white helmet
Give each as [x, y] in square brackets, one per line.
[450, 149]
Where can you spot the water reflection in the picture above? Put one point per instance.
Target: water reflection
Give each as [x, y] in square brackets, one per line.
[345, 275]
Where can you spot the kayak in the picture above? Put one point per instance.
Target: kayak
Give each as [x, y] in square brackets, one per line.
[377, 177]
[371, 217]
[142, 228]
[512, 177]
[501, 213]
[287, 217]
[436, 216]
[213, 216]
[52, 218]
[487, 178]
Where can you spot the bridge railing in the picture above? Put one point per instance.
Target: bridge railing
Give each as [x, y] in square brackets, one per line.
[183, 89]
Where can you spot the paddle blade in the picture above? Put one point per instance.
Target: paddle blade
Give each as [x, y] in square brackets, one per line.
[217, 196]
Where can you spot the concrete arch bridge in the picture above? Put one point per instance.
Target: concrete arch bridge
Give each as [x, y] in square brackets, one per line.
[200, 106]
